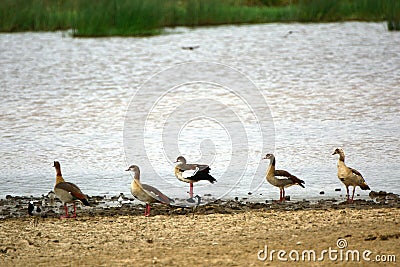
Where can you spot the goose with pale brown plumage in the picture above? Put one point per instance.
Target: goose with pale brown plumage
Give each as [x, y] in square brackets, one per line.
[146, 193]
[192, 173]
[280, 178]
[349, 176]
[67, 192]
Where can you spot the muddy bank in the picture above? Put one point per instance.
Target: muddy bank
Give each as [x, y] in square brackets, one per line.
[114, 232]
[50, 207]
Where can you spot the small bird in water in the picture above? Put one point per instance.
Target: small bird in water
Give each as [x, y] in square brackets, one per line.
[349, 176]
[146, 193]
[280, 178]
[67, 192]
[191, 173]
[193, 47]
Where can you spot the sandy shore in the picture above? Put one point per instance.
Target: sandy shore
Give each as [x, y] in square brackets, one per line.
[200, 239]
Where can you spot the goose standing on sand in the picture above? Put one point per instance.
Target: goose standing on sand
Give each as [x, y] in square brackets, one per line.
[349, 176]
[191, 173]
[67, 192]
[146, 193]
[280, 178]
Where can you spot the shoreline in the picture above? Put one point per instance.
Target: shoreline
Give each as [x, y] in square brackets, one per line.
[224, 233]
[17, 206]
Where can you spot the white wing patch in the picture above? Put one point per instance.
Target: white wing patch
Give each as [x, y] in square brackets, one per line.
[190, 173]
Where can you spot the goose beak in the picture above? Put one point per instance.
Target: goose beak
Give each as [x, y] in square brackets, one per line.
[127, 170]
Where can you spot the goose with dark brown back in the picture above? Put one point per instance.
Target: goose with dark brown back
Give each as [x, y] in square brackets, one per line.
[68, 192]
[146, 193]
[280, 178]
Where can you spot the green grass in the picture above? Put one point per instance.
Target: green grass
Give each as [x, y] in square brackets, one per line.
[123, 18]
[149, 17]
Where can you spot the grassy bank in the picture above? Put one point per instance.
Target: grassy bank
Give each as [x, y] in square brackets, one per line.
[138, 17]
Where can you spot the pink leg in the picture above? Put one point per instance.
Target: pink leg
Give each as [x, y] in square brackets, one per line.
[147, 210]
[280, 194]
[66, 212]
[191, 190]
[348, 194]
[352, 197]
[283, 194]
[74, 216]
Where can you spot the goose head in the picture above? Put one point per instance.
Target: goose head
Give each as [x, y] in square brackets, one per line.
[133, 168]
[338, 151]
[56, 165]
[268, 156]
[180, 160]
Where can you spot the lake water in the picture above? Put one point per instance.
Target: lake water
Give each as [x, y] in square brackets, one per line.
[322, 86]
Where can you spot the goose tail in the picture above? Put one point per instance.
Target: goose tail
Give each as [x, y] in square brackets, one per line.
[203, 175]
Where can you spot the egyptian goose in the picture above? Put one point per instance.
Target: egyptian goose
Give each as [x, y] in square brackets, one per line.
[191, 173]
[146, 193]
[280, 178]
[67, 192]
[349, 176]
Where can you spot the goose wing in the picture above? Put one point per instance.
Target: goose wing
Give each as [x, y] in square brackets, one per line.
[156, 194]
[188, 173]
[286, 174]
[355, 171]
[198, 174]
[203, 167]
[361, 181]
[74, 191]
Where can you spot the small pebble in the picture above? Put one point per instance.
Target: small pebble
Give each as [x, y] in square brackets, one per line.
[384, 237]
[338, 189]
[322, 193]
[370, 238]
